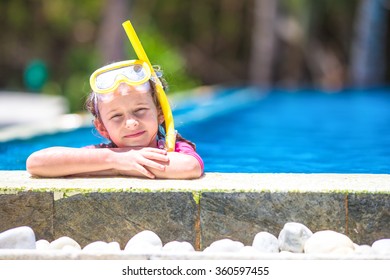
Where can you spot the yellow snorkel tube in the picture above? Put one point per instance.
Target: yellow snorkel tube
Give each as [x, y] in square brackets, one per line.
[170, 139]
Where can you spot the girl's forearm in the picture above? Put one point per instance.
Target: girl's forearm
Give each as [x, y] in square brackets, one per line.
[180, 166]
[63, 161]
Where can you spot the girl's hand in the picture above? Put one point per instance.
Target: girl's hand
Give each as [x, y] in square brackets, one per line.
[140, 160]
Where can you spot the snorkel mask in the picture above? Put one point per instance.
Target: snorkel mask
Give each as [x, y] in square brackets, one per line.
[136, 73]
[132, 72]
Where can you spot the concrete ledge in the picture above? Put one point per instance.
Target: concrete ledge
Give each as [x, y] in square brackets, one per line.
[217, 206]
[244, 182]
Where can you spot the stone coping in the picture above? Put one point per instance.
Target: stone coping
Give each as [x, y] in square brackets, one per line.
[8, 254]
[201, 211]
[15, 181]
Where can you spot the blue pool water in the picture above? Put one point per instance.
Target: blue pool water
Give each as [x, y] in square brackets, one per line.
[298, 132]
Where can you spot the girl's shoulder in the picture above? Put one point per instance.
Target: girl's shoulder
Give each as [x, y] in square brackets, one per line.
[183, 145]
[186, 148]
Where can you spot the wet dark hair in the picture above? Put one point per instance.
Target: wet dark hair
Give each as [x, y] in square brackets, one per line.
[91, 105]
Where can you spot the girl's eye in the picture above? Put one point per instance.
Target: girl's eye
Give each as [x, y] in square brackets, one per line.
[140, 111]
[116, 117]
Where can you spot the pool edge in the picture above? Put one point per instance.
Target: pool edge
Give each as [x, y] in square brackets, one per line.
[219, 205]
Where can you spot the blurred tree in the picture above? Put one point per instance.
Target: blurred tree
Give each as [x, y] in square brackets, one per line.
[290, 43]
[72, 39]
[263, 42]
[111, 36]
[368, 55]
[313, 43]
[213, 35]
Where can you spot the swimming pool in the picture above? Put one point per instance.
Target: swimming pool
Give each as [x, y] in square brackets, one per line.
[303, 131]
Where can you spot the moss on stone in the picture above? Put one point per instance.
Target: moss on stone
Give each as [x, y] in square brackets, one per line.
[67, 192]
[5, 190]
[196, 195]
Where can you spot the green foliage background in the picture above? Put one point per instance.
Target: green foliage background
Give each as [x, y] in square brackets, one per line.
[196, 42]
[52, 31]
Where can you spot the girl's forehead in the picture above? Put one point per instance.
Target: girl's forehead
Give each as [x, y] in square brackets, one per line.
[127, 101]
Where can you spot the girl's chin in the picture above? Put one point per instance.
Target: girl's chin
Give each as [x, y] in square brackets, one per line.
[138, 144]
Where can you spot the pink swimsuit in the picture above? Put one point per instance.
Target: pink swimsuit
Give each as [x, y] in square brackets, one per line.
[185, 148]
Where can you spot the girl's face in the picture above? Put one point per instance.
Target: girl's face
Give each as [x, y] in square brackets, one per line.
[130, 118]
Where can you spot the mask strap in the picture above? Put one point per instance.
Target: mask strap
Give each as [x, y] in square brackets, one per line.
[161, 137]
[95, 104]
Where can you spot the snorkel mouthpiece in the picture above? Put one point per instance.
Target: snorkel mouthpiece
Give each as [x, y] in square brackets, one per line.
[162, 98]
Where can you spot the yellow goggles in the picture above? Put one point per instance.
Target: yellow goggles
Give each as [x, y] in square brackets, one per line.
[108, 78]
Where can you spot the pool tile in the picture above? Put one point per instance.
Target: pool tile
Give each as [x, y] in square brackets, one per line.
[119, 216]
[368, 217]
[33, 209]
[240, 216]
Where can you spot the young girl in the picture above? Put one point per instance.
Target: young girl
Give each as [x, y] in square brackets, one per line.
[127, 113]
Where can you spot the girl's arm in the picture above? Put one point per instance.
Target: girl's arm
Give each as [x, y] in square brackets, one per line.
[180, 166]
[63, 161]
[184, 163]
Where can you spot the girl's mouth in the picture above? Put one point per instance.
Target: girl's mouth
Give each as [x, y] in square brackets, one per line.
[134, 135]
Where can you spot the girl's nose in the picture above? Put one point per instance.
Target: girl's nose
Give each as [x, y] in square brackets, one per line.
[131, 122]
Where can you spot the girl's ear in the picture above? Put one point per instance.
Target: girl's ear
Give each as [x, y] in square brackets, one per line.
[160, 117]
[101, 128]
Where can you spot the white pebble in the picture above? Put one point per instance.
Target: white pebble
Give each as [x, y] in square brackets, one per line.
[329, 241]
[61, 242]
[102, 246]
[382, 246]
[286, 253]
[69, 248]
[177, 246]
[224, 246]
[42, 244]
[142, 248]
[145, 241]
[343, 250]
[266, 242]
[249, 250]
[18, 238]
[114, 246]
[293, 236]
[363, 249]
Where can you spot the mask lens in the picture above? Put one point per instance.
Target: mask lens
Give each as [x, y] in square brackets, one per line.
[106, 80]
[133, 74]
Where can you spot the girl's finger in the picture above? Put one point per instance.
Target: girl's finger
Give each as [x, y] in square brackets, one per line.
[153, 164]
[156, 156]
[140, 168]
